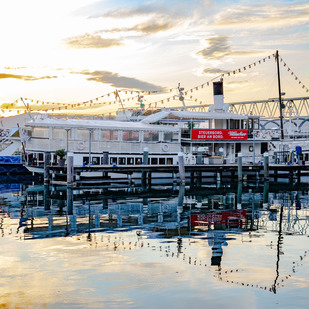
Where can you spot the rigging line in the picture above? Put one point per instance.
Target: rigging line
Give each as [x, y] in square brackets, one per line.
[292, 73]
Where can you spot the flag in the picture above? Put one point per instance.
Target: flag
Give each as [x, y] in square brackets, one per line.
[23, 136]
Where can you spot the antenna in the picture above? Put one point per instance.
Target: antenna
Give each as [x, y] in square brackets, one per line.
[28, 109]
[117, 96]
[181, 97]
[140, 101]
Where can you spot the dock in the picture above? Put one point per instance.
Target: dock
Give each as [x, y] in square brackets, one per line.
[172, 173]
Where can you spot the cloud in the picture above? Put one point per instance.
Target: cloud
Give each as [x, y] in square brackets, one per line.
[147, 8]
[24, 77]
[214, 71]
[128, 12]
[149, 27]
[92, 41]
[264, 15]
[219, 47]
[117, 81]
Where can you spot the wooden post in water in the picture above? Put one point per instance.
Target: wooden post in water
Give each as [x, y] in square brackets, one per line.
[265, 194]
[181, 165]
[299, 175]
[46, 197]
[266, 166]
[239, 194]
[192, 179]
[239, 161]
[145, 162]
[105, 157]
[199, 156]
[149, 179]
[70, 201]
[70, 169]
[105, 162]
[145, 156]
[46, 167]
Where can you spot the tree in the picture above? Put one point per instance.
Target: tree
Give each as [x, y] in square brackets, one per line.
[61, 153]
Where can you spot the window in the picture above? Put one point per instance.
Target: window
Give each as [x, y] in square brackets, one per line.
[96, 160]
[41, 156]
[204, 125]
[85, 160]
[109, 135]
[161, 161]
[130, 161]
[28, 131]
[138, 161]
[122, 161]
[234, 124]
[40, 132]
[169, 161]
[128, 136]
[84, 134]
[170, 136]
[154, 161]
[60, 133]
[151, 136]
[113, 160]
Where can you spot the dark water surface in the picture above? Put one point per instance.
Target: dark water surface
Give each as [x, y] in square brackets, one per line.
[162, 247]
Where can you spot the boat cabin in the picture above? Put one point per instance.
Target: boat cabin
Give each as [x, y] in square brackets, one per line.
[102, 141]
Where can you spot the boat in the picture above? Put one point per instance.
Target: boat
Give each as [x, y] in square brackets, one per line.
[93, 141]
[214, 137]
[11, 140]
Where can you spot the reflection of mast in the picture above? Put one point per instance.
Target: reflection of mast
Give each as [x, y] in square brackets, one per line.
[281, 105]
[274, 289]
[89, 222]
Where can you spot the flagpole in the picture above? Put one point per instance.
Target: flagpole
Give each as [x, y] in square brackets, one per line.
[281, 106]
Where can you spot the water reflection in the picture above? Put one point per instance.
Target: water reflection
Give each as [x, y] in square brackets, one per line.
[238, 234]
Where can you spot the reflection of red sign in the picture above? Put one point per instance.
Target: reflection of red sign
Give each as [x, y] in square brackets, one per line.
[230, 218]
[219, 134]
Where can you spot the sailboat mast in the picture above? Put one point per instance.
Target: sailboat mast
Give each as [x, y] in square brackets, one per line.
[281, 106]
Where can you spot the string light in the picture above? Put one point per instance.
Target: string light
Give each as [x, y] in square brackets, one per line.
[97, 101]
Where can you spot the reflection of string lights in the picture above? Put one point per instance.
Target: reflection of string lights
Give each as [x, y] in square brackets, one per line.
[118, 244]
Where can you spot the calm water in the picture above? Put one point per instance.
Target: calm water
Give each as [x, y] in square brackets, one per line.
[181, 247]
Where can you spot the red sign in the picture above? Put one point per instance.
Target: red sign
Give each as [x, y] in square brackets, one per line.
[206, 134]
[230, 218]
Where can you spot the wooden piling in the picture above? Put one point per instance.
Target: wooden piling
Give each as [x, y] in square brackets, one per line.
[69, 201]
[265, 194]
[239, 162]
[199, 160]
[266, 166]
[70, 169]
[46, 197]
[46, 167]
[145, 162]
[181, 166]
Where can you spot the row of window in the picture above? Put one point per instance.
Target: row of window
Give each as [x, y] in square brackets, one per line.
[128, 161]
[39, 157]
[104, 135]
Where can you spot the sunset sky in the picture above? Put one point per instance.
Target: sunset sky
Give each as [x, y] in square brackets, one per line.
[74, 50]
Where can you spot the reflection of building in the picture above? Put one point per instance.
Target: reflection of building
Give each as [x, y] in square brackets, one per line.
[216, 241]
[215, 222]
[176, 214]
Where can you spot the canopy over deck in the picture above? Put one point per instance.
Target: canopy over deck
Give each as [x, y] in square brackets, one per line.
[164, 114]
[98, 124]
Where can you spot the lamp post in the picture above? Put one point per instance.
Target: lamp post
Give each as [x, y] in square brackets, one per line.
[67, 129]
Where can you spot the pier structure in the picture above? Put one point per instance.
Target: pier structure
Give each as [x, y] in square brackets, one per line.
[98, 175]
